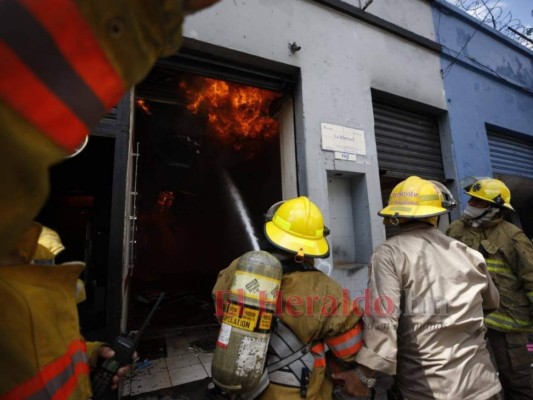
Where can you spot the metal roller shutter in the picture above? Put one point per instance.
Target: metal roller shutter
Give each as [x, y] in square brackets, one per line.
[408, 143]
[510, 155]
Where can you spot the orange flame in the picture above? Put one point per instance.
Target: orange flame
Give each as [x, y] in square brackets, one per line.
[141, 103]
[234, 112]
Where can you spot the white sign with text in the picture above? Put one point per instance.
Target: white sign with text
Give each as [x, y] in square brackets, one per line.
[342, 139]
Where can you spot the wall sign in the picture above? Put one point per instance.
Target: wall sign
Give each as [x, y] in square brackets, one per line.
[342, 139]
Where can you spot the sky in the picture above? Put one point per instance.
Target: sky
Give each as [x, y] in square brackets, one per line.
[520, 9]
[516, 14]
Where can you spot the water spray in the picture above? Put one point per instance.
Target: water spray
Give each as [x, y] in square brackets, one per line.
[241, 209]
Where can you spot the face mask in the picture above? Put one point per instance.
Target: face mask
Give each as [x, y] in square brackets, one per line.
[480, 215]
[474, 212]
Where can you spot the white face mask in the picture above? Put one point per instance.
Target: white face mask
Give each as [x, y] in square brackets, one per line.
[475, 214]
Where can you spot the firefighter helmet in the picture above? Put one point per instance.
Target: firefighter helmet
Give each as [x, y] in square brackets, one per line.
[297, 226]
[489, 189]
[417, 198]
[48, 246]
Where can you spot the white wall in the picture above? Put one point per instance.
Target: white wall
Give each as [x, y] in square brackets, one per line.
[341, 59]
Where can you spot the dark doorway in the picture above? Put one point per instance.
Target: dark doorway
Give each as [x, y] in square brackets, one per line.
[209, 168]
[78, 209]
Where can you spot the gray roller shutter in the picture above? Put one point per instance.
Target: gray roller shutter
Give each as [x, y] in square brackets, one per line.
[408, 143]
[510, 155]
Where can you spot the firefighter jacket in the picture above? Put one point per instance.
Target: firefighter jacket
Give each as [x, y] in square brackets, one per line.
[428, 294]
[509, 257]
[43, 354]
[64, 64]
[318, 311]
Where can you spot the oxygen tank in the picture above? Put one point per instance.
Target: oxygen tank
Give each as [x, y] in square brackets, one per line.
[242, 344]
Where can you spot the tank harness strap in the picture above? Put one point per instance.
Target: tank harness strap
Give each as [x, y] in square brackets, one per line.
[290, 362]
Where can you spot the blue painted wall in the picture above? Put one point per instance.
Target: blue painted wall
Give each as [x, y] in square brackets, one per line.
[488, 79]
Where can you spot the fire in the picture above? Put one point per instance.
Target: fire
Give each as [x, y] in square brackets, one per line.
[234, 112]
[141, 103]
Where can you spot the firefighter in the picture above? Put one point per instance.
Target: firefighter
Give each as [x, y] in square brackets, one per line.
[296, 230]
[64, 64]
[509, 256]
[43, 353]
[428, 331]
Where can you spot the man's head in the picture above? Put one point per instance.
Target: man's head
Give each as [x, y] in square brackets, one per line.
[296, 226]
[418, 199]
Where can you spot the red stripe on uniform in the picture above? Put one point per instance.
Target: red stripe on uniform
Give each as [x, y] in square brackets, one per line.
[78, 44]
[69, 386]
[319, 353]
[37, 103]
[345, 337]
[348, 343]
[50, 371]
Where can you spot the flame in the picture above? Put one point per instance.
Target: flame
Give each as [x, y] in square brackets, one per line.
[141, 103]
[234, 112]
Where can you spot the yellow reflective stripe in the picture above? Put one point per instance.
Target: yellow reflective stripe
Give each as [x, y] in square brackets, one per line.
[497, 262]
[501, 321]
[428, 197]
[498, 266]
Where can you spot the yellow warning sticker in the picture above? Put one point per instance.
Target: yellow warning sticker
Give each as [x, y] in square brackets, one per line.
[266, 321]
[246, 320]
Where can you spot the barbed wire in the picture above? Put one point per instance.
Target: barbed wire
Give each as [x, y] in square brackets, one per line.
[493, 14]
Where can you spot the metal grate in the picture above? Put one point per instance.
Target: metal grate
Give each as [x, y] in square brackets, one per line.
[511, 155]
[408, 143]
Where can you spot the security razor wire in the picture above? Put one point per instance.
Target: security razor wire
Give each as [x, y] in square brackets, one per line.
[495, 15]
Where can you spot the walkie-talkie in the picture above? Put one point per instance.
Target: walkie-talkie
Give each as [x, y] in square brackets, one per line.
[124, 347]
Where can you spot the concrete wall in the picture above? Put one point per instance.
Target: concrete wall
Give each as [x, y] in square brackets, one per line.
[340, 60]
[489, 82]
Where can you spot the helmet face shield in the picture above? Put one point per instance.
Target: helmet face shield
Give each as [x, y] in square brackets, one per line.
[448, 201]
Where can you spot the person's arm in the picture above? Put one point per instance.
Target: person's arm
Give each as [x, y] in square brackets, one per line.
[97, 351]
[380, 337]
[103, 47]
[490, 296]
[524, 250]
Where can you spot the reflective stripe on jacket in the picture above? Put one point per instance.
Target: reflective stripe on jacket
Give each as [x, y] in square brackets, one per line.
[43, 353]
[509, 256]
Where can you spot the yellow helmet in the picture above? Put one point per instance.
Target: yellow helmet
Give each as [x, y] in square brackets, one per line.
[492, 190]
[48, 246]
[297, 226]
[417, 198]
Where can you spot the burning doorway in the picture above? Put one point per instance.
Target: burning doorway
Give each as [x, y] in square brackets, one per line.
[209, 167]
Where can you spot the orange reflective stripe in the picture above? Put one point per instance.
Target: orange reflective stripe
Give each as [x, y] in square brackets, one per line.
[40, 107]
[76, 41]
[64, 81]
[319, 353]
[57, 379]
[348, 343]
[64, 391]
